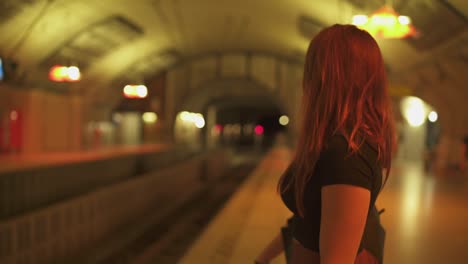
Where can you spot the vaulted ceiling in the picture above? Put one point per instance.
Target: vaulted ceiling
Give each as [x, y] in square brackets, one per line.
[115, 39]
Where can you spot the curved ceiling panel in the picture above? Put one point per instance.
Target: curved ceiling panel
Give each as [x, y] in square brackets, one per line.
[427, 17]
[95, 41]
[152, 63]
[10, 8]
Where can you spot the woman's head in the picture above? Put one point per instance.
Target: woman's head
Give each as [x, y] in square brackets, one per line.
[344, 92]
[344, 84]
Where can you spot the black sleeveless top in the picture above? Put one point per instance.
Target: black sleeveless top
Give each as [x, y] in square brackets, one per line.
[336, 165]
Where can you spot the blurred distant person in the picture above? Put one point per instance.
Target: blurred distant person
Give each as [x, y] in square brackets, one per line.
[343, 155]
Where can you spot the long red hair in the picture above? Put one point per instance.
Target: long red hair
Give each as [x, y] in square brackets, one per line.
[344, 92]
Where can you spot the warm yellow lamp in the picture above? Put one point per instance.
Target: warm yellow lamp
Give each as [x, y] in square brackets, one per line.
[385, 23]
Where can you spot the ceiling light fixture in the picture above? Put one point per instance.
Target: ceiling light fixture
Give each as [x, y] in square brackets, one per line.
[60, 73]
[135, 91]
[386, 23]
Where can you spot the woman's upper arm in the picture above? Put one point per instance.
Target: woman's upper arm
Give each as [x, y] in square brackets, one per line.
[343, 217]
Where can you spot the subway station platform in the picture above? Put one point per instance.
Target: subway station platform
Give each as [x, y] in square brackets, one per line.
[426, 217]
[250, 218]
[15, 162]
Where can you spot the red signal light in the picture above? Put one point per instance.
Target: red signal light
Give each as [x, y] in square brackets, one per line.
[259, 130]
[218, 128]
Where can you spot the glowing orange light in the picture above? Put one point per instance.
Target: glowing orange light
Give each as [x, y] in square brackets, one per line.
[135, 91]
[57, 73]
[386, 23]
[60, 73]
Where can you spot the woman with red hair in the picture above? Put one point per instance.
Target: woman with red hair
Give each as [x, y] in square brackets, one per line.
[343, 155]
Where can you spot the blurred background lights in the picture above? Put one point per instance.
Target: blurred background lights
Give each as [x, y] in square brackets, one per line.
[414, 111]
[359, 20]
[2, 74]
[284, 120]
[150, 117]
[74, 73]
[185, 116]
[404, 20]
[195, 118]
[218, 128]
[259, 130]
[135, 91]
[384, 20]
[199, 121]
[128, 89]
[142, 91]
[60, 73]
[433, 116]
[386, 23]
[248, 129]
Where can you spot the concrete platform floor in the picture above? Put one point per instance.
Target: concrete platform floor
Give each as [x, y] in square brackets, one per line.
[426, 217]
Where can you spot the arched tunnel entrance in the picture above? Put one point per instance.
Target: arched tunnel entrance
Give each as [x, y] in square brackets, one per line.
[244, 123]
[237, 112]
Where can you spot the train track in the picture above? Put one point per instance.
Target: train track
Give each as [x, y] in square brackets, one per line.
[167, 241]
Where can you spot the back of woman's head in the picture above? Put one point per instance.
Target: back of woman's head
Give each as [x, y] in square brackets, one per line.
[344, 92]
